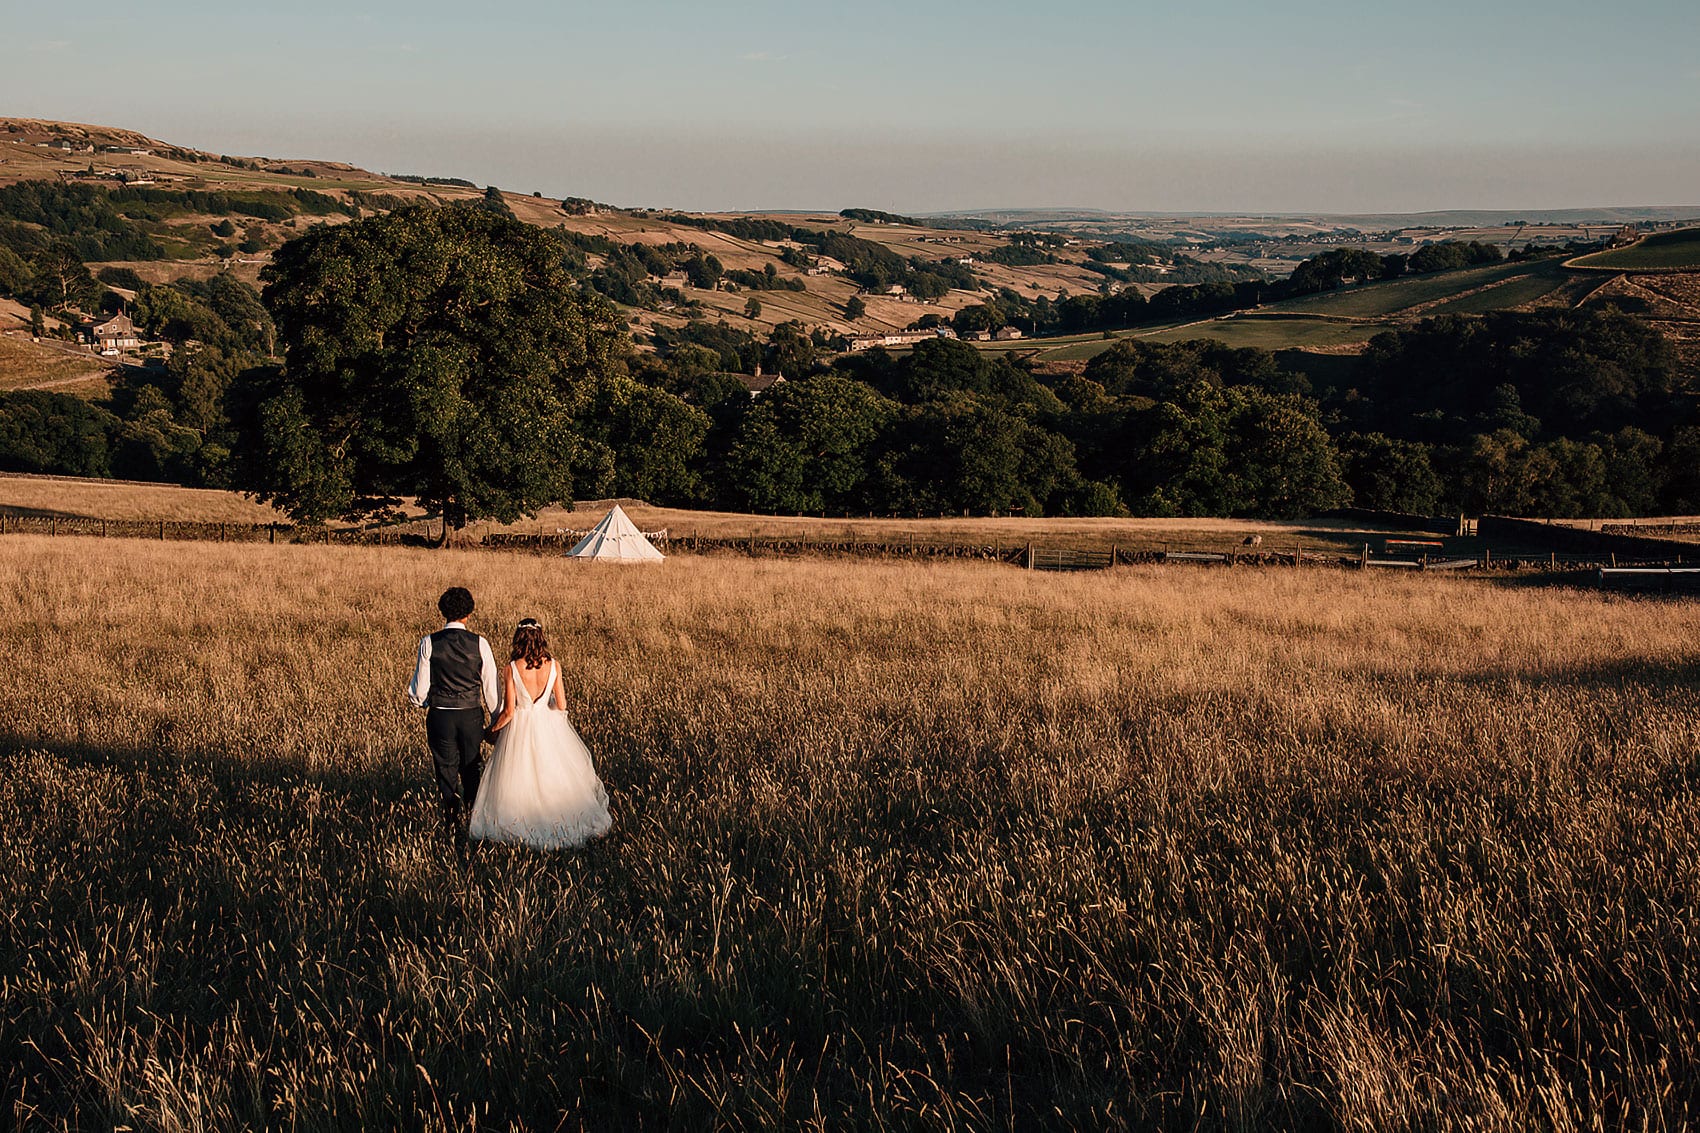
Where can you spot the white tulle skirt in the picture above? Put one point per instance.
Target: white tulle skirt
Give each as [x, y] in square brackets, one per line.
[540, 786]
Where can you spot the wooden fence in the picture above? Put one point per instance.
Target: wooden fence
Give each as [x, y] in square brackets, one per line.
[1396, 554]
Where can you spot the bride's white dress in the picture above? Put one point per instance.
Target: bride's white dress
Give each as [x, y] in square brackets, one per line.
[540, 786]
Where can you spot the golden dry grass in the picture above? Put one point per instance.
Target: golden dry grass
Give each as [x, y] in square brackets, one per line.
[73, 496]
[30, 365]
[912, 846]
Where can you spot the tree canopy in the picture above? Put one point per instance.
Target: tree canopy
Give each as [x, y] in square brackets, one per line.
[438, 354]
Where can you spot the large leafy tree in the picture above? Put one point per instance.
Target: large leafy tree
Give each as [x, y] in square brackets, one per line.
[1391, 475]
[654, 438]
[805, 447]
[439, 354]
[61, 280]
[1233, 451]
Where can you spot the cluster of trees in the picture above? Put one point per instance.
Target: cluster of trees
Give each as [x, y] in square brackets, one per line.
[416, 179]
[1178, 268]
[1334, 268]
[168, 422]
[34, 214]
[1018, 256]
[52, 277]
[492, 391]
[447, 355]
[1560, 413]
[124, 223]
[767, 279]
[875, 216]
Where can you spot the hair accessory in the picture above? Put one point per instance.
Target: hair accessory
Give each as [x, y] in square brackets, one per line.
[529, 623]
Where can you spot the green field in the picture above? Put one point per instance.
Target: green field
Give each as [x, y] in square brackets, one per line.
[1505, 296]
[1266, 332]
[1274, 332]
[1340, 318]
[1378, 300]
[1666, 251]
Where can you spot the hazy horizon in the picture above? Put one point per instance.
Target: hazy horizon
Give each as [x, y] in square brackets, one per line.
[1229, 108]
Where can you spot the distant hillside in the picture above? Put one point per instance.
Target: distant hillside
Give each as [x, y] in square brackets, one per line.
[786, 284]
[890, 271]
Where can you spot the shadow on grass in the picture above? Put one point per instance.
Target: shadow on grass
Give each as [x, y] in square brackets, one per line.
[1657, 677]
[15, 511]
[227, 766]
[1584, 580]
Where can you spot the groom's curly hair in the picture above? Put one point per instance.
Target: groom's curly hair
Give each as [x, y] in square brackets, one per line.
[530, 645]
[455, 604]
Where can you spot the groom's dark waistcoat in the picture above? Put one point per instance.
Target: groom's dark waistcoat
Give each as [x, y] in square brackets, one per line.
[457, 670]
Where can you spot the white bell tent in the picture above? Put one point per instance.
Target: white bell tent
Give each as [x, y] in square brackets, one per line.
[616, 538]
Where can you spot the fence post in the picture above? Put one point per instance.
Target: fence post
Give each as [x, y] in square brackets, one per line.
[103, 529]
[271, 533]
[162, 531]
[1363, 556]
[1115, 555]
[53, 526]
[1029, 556]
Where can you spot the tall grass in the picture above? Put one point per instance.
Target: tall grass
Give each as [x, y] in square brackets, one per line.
[896, 846]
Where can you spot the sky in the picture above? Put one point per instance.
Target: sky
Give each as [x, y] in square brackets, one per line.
[1250, 106]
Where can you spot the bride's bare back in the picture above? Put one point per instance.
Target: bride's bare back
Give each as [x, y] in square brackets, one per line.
[533, 682]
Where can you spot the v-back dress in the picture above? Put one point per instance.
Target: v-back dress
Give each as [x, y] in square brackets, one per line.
[540, 787]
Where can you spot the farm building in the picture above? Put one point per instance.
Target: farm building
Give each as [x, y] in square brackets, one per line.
[759, 383]
[115, 334]
[898, 338]
[1006, 334]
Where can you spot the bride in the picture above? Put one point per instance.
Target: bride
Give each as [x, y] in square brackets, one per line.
[540, 787]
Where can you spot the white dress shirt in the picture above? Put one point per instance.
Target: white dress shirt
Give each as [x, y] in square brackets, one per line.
[421, 686]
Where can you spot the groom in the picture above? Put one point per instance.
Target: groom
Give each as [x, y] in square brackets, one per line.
[455, 680]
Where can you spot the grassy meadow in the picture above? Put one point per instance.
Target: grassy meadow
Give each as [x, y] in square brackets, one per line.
[70, 497]
[83, 497]
[1662, 251]
[897, 845]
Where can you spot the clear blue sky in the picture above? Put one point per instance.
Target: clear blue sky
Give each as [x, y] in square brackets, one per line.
[1255, 105]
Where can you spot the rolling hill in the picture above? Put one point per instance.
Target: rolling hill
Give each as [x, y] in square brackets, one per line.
[1677, 251]
[34, 149]
[190, 247]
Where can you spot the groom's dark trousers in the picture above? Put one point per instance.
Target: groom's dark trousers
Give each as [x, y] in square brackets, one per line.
[454, 735]
[452, 682]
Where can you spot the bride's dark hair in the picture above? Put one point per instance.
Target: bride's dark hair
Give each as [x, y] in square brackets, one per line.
[530, 645]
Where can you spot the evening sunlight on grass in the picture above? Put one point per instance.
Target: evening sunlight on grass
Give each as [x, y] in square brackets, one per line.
[895, 846]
